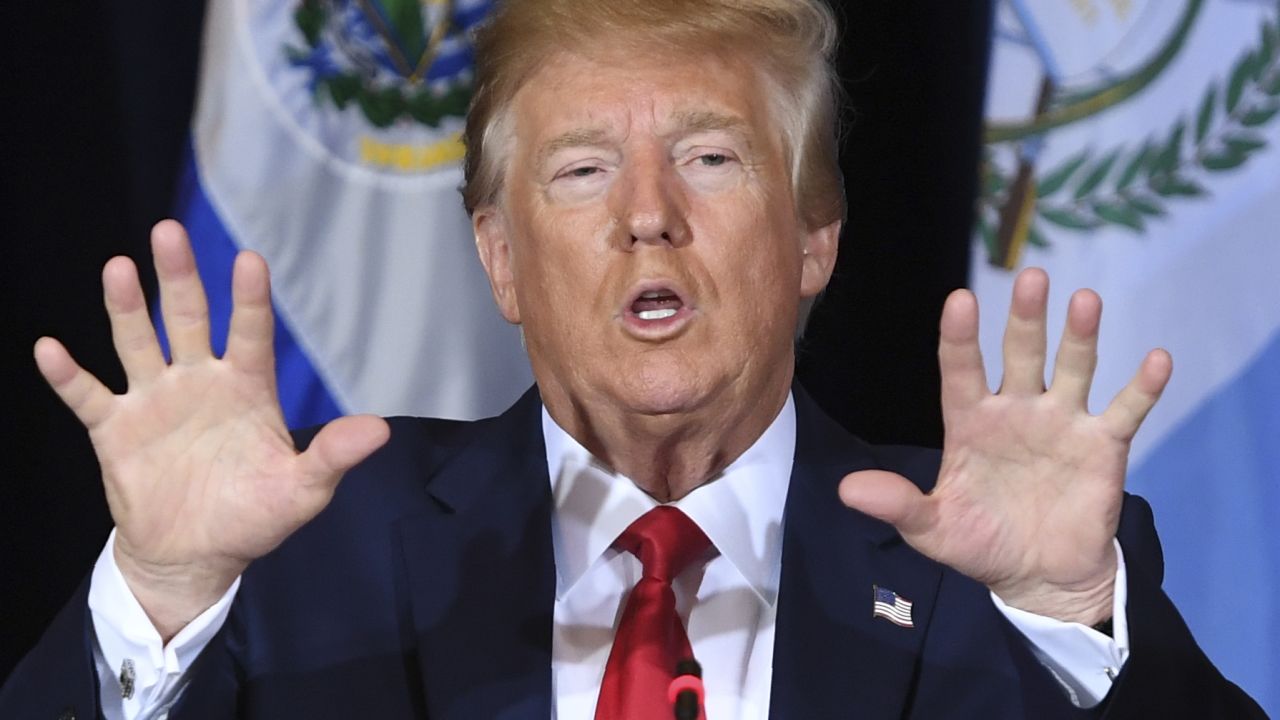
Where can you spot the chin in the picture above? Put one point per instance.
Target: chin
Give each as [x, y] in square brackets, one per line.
[664, 389]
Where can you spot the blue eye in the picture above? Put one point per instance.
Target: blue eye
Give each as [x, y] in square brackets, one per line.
[584, 171]
[713, 159]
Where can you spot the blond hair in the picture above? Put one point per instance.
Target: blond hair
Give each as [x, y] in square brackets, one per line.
[790, 41]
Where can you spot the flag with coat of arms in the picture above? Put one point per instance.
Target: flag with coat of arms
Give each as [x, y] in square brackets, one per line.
[326, 137]
[1134, 147]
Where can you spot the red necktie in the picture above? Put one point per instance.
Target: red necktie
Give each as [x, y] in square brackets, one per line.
[650, 639]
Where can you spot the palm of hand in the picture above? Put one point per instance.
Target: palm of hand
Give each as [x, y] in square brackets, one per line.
[1028, 495]
[1023, 491]
[218, 430]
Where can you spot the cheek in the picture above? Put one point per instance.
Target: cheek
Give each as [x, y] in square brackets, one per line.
[757, 248]
[756, 270]
[561, 272]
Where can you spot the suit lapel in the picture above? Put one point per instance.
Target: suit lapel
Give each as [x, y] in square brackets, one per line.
[479, 579]
[832, 657]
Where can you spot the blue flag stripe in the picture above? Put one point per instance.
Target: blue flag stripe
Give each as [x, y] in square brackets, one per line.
[303, 395]
[1214, 483]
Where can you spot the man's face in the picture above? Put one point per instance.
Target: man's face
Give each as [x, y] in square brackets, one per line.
[646, 237]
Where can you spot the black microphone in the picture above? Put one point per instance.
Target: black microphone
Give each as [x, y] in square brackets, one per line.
[685, 692]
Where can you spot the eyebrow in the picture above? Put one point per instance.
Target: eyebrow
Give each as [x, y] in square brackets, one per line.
[684, 122]
[706, 120]
[578, 137]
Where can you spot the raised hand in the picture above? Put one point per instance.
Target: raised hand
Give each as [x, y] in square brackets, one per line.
[1029, 492]
[200, 472]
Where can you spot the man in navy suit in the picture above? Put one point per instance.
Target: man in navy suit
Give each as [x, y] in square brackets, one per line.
[654, 196]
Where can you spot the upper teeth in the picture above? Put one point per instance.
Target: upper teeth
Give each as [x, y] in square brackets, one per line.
[656, 314]
[650, 294]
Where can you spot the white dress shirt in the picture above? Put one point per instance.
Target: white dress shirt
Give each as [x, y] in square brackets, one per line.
[729, 605]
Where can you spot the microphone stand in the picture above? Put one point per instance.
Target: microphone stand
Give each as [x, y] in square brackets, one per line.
[686, 691]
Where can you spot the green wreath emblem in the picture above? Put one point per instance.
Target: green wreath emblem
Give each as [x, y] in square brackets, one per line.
[381, 103]
[1124, 186]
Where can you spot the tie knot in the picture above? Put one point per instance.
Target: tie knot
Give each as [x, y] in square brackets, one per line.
[665, 540]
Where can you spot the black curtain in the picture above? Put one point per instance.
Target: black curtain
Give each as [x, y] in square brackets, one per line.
[915, 74]
[98, 96]
[98, 99]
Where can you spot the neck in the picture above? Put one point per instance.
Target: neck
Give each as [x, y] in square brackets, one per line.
[669, 455]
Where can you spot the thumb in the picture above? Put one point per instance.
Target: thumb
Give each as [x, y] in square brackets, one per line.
[342, 444]
[886, 496]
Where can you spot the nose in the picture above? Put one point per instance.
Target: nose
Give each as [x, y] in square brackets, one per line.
[651, 205]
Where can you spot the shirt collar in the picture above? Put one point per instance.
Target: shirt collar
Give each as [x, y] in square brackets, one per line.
[740, 510]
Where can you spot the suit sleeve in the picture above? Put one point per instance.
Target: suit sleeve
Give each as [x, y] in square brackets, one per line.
[1167, 674]
[57, 680]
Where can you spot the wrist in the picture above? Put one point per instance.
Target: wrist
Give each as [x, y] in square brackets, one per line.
[1087, 608]
[172, 595]
[1089, 603]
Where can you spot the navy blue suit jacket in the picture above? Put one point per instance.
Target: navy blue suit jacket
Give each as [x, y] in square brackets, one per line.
[426, 590]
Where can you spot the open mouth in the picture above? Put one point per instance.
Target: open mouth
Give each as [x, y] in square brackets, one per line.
[657, 311]
[657, 304]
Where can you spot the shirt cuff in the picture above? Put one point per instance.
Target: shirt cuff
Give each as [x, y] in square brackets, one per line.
[140, 676]
[1084, 661]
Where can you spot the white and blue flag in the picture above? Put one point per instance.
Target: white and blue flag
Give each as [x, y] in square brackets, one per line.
[326, 138]
[1134, 147]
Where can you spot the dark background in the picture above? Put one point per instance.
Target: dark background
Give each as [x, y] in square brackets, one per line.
[96, 102]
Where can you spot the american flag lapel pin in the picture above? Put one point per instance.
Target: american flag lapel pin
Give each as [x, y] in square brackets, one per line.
[891, 606]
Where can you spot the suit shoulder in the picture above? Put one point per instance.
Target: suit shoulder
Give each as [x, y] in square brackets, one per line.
[918, 464]
[823, 442]
[415, 443]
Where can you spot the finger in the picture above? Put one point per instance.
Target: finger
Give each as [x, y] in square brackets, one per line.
[1024, 336]
[1077, 356]
[249, 339]
[182, 298]
[1130, 407]
[88, 398]
[131, 330]
[889, 497]
[964, 379]
[342, 444]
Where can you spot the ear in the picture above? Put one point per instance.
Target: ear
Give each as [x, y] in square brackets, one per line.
[493, 244]
[820, 248]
